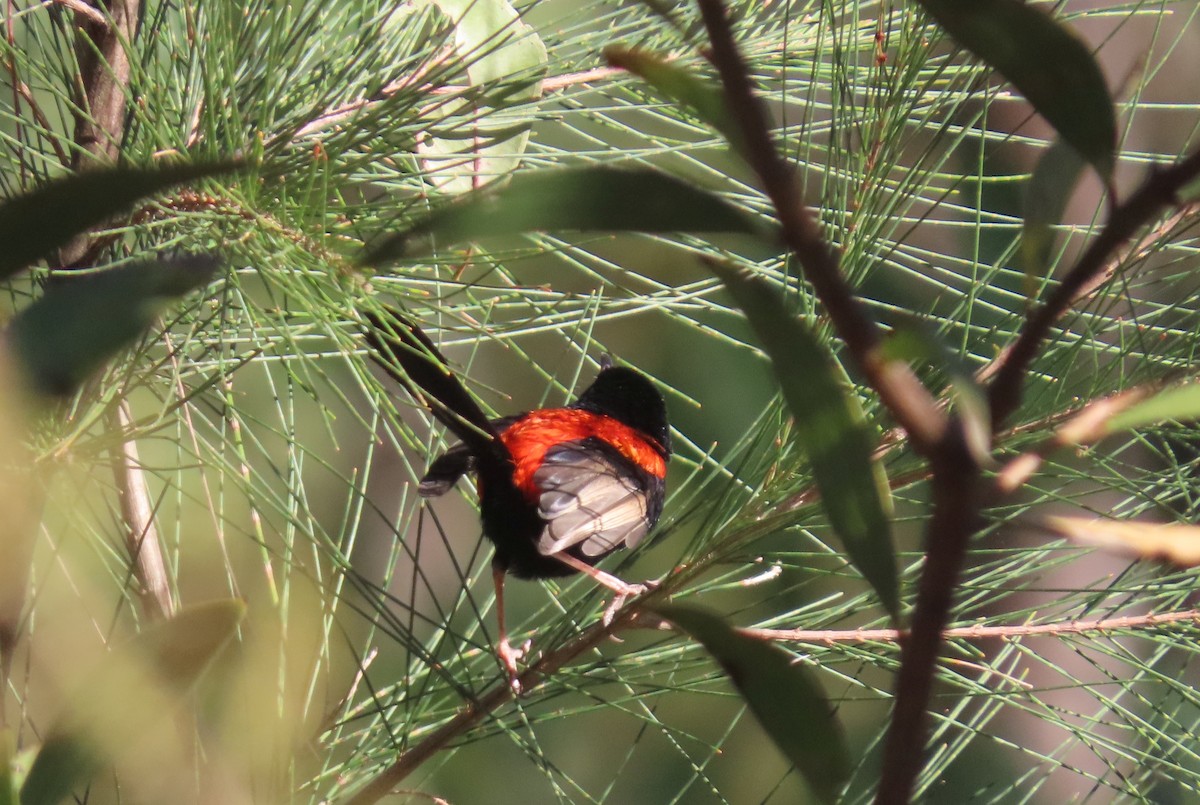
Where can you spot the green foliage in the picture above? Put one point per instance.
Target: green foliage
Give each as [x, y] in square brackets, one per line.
[281, 469]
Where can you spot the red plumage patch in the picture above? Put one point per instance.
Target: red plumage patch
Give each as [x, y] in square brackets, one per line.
[530, 437]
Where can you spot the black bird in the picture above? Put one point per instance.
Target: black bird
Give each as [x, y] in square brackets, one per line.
[559, 488]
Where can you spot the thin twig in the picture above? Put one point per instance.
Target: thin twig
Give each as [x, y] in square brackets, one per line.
[980, 632]
[338, 114]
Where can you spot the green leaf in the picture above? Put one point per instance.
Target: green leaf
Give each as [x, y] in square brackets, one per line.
[1046, 198]
[1050, 66]
[136, 687]
[782, 694]
[830, 426]
[591, 199]
[1173, 543]
[704, 98]
[35, 224]
[82, 320]
[1179, 403]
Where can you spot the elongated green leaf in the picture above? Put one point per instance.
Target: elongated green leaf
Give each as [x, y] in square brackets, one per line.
[34, 225]
[1046, 198]
[1050, 66]
[703, 97]
[831, 428]
[591, 199]
[82, 321]
[136, 687]
[782, 694]
[1179, 403]
[1173, 543]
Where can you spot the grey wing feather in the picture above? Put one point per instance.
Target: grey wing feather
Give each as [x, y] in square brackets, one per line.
[587, 501]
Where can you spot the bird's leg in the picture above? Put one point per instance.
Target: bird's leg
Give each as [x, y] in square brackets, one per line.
[624, 590]
[509, 656]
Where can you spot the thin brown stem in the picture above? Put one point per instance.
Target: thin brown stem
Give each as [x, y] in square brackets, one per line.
[104, 69]
[1125, 623]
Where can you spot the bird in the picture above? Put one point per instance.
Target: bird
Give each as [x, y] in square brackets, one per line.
[559, 488]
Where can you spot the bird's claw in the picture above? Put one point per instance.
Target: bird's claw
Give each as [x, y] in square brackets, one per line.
[623, 595]
[509, 657]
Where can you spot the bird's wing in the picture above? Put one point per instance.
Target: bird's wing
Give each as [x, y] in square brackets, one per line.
[590, 499]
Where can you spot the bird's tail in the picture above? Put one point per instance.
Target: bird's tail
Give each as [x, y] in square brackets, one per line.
[403, 350]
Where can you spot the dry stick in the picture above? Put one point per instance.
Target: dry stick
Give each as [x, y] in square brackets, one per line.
[137, 515]
[1160, 190]
[1123, 623]
[913, 407]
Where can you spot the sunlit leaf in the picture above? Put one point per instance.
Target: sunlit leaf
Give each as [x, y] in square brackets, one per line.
[83, 320]
[35, 224]
[1051, 67]
[592, 199]
[831, 427]
[137, 686]
[782, 694]
[1173, 543]
[1178, 403]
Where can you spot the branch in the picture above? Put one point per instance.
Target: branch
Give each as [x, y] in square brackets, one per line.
[1159, 191]
[137, 515]
[101, 51]
[1073, 627]
[1134, 251]
[954, 518]
[934, 434]
[899, 389]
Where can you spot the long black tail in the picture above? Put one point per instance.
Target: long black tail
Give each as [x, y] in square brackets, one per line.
[400, 344]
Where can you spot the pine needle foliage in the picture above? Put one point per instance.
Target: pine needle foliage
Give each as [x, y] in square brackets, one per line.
[282, 466]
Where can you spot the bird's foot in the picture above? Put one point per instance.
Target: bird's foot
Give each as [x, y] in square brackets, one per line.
[509, 657]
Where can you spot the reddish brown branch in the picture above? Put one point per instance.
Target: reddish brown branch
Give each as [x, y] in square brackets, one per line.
[954, 518]
[1158, 192]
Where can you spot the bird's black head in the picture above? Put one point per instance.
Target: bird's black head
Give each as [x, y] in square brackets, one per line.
[630, 398]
